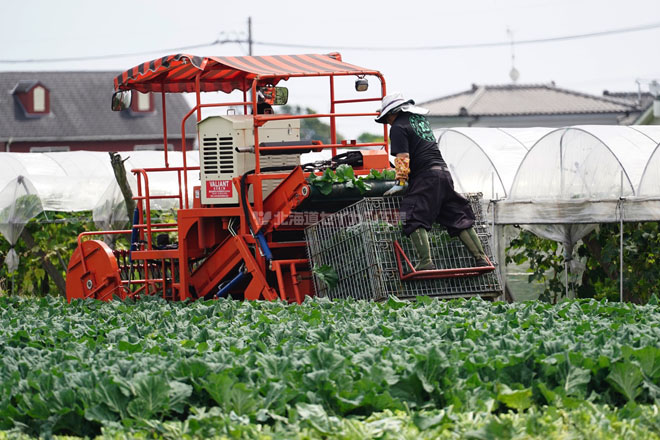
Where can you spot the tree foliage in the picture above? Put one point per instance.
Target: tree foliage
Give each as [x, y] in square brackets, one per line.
[366, 138]
[311, 128]
[600, 252]
[641, 274]
[546, 263]
[55, 235]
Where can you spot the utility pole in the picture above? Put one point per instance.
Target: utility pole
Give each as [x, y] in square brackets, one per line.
[250, 36]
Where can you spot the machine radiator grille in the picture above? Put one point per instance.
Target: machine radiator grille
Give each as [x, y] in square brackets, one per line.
[217, 155]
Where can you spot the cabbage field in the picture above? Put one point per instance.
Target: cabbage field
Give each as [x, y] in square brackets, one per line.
[344, 369]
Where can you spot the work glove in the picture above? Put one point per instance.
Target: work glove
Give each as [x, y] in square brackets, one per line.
[402, 169]
[399, 187]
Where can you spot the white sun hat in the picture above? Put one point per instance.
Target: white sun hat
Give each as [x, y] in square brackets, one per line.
[396, 101]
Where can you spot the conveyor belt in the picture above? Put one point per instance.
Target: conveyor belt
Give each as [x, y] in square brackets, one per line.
[342, 196]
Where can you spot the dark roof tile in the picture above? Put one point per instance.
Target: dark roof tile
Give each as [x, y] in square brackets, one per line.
[80, 108]
[532, 99]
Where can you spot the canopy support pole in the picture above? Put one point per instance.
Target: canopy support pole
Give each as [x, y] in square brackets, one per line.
[167, 163]
[566, 277]
[496, 249]
[492, 187]
[333, 120]
[621, 200]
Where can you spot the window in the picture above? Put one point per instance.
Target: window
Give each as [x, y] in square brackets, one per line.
[142, 102]
[33, 98]
[51, 149]
[39, 99]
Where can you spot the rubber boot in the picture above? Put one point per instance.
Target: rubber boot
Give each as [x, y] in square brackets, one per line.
[420, 239]
[471, 241]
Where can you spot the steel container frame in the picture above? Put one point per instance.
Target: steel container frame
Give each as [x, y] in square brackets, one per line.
[358, 243]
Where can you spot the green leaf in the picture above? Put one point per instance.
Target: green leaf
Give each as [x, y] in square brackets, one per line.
[191, 370]
[389, 174]
[516, 399]
[128, 347]
[344, 173]
[316, 416]
[101, 413]
[327, 275]
[202, 346]
[428, 421]
[178, 395]
[151, 396]
[242, 400]
[626, 378]
[649, 361]
[362, 185]
[324, 187]
[328, 176]
[395, 303]
[34, 406]
[112, 402]
[219, 386]
[575, 380]
[375, 175]
[550, 397]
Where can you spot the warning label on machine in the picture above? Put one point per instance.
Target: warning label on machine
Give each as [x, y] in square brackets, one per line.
[218, 189]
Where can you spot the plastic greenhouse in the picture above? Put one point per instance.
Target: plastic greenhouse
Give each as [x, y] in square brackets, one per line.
[586, 174]
[486, 159]
[77, 181]
[559, 183]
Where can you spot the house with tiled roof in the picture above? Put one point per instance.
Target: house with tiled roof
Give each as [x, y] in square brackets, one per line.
[536, 105]
[68, 111]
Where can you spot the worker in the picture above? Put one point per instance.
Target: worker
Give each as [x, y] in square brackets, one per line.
[264, 102]
[430, 197]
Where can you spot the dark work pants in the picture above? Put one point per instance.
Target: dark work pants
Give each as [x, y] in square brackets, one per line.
[431, 199]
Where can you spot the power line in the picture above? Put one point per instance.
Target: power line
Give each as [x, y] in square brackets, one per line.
[122, 55]
[475, 45]
[370, 48]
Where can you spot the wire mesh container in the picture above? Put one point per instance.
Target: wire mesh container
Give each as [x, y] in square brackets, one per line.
[357, 242]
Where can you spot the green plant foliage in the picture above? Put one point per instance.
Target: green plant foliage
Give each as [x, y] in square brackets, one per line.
[545, 260]
[327, 275]
[366, 138]
[641, 276]
[55, 234]
[311, 128]
[345, 174]
[344, 369]
[600, 252]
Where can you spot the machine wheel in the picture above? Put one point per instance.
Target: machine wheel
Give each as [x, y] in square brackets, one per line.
[101, 279]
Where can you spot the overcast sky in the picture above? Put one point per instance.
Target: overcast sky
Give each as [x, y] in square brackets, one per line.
[366, 33]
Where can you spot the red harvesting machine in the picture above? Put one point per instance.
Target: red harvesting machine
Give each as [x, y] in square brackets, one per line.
[232, 236]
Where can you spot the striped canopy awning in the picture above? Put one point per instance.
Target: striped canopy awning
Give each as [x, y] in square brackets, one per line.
[176, 73]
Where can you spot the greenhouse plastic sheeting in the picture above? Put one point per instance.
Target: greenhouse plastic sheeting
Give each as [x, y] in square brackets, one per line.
[110, 210]
[485, 160]
[586, 174]
[85, 181]
[18, 205]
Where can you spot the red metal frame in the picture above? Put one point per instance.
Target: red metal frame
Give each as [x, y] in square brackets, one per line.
[413, 274]
[210, 250]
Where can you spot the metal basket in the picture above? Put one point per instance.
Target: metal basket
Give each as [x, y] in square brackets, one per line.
[357, 242]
